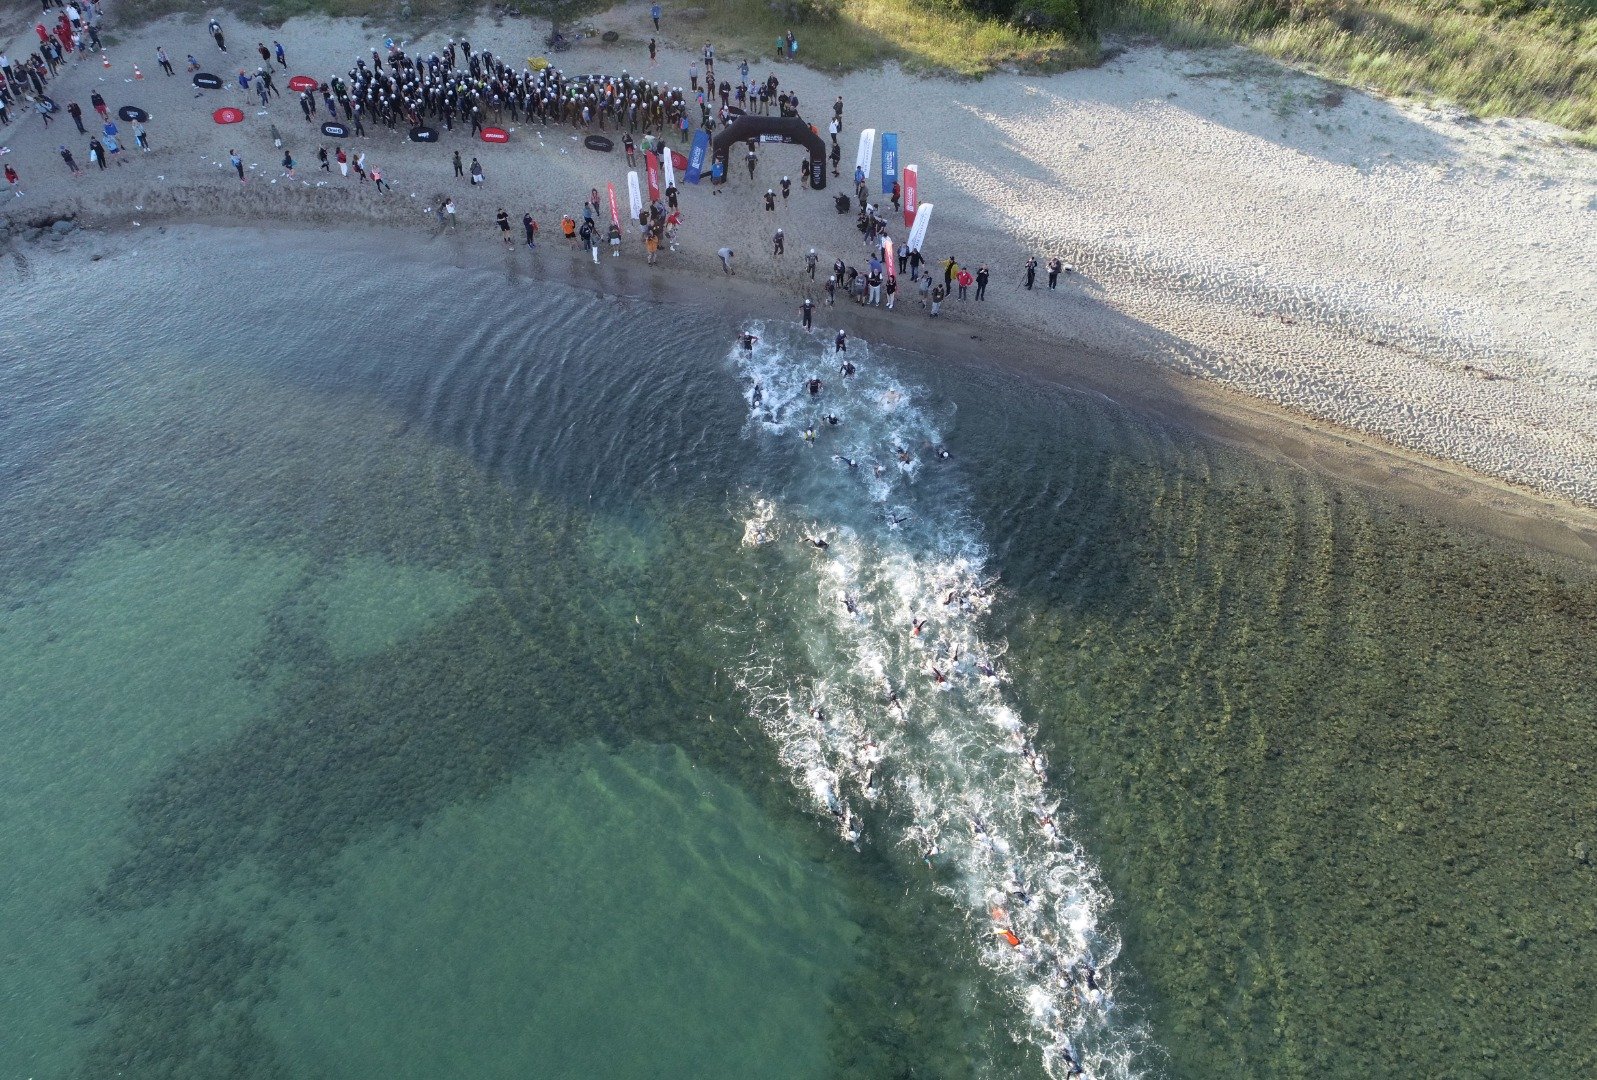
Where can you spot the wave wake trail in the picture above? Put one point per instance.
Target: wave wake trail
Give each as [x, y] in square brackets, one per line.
[899, 731]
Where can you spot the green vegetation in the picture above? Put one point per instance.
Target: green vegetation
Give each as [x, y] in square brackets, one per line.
[1496, 57]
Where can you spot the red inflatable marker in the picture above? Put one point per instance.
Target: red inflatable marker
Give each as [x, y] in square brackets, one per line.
[228, 115]
[301, 83]
[679, 162]
[495, 135]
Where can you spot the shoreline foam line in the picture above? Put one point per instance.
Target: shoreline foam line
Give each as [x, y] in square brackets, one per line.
[901, 734]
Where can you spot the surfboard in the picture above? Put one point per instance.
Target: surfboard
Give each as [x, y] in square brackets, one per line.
[334, 130]
[206, 81]
[132, 113]
[424, 134]
[917, 232]
[495, 135]
[867, 142]
[228, 115]
[301, 83]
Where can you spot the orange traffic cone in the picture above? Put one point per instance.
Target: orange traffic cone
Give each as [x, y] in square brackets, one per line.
[137, 74]
[105, 60]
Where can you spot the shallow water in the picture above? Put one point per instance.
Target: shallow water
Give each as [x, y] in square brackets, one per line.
[449, 695]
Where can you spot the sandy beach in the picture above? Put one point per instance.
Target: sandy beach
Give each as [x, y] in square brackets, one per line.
[1243, 238]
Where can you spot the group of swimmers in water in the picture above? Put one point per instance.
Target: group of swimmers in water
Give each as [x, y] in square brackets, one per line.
[1077, 977]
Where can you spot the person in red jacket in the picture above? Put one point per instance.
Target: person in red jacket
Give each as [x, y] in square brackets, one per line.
[12, 179]
[963, 280]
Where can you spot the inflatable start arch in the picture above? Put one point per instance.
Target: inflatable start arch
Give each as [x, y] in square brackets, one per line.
[771, 129]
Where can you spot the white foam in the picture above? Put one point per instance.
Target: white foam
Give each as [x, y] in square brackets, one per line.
[906, 706]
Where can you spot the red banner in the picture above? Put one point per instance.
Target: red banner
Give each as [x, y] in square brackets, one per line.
[887, 257]
[911, 195]
[615, 213]
[651, 170]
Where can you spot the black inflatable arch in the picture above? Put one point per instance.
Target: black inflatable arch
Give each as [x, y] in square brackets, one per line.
[771, 129]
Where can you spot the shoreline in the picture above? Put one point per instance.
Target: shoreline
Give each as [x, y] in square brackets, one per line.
[1154, 394]
[1366, 282]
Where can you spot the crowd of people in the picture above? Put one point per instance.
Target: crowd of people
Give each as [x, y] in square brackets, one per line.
[474, 89]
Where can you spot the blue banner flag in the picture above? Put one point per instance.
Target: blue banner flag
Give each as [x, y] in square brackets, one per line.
[701, 147]
[889, 160]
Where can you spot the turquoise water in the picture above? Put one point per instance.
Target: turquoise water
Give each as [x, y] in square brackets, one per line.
[396, 696]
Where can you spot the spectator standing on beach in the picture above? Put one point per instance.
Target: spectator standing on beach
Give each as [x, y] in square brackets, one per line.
[1054, 266]
[343, 162]
[449, 213]
[725, 255]
[1031, 271]
[377, 178]
[892, 291]
[981, 281]
[72, 165]
[938, 293]
[476, 172]
[238, 164]
[282, 57]
[504, 225]
[693, 74]
[216, 32]
[530, 227]
[654, 13]
[75, 111]
[13, 180]
[652, 48]
[460, 170]
[963, 280]
[266, 54]
[140, 136]
[161, 58]
[288, 165]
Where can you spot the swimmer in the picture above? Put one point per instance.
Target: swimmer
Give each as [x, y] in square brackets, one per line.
[850, 462]
[759, 394]
[929, 854]
[878, 470]
[818, 713]
[917, 626]
[851, 604]
[847, 369]
[894, 703]
[942, 453]
[903, 455]
[987, 669]
[897, 521]
[747, 340]
[938, 677]
[809, 434]
[951, 597]
[814, 386]
[822, 544]
[832, 420]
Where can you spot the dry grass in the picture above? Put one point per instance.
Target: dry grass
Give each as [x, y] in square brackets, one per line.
[1495, 57]
[923, 35]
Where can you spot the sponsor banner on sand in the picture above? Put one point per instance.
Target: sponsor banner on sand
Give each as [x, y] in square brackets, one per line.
[867, 142]
[889, 160]
[696, 156]
[911, 194]
[651, 170]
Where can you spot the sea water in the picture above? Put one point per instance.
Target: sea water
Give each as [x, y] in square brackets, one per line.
[423, 673]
